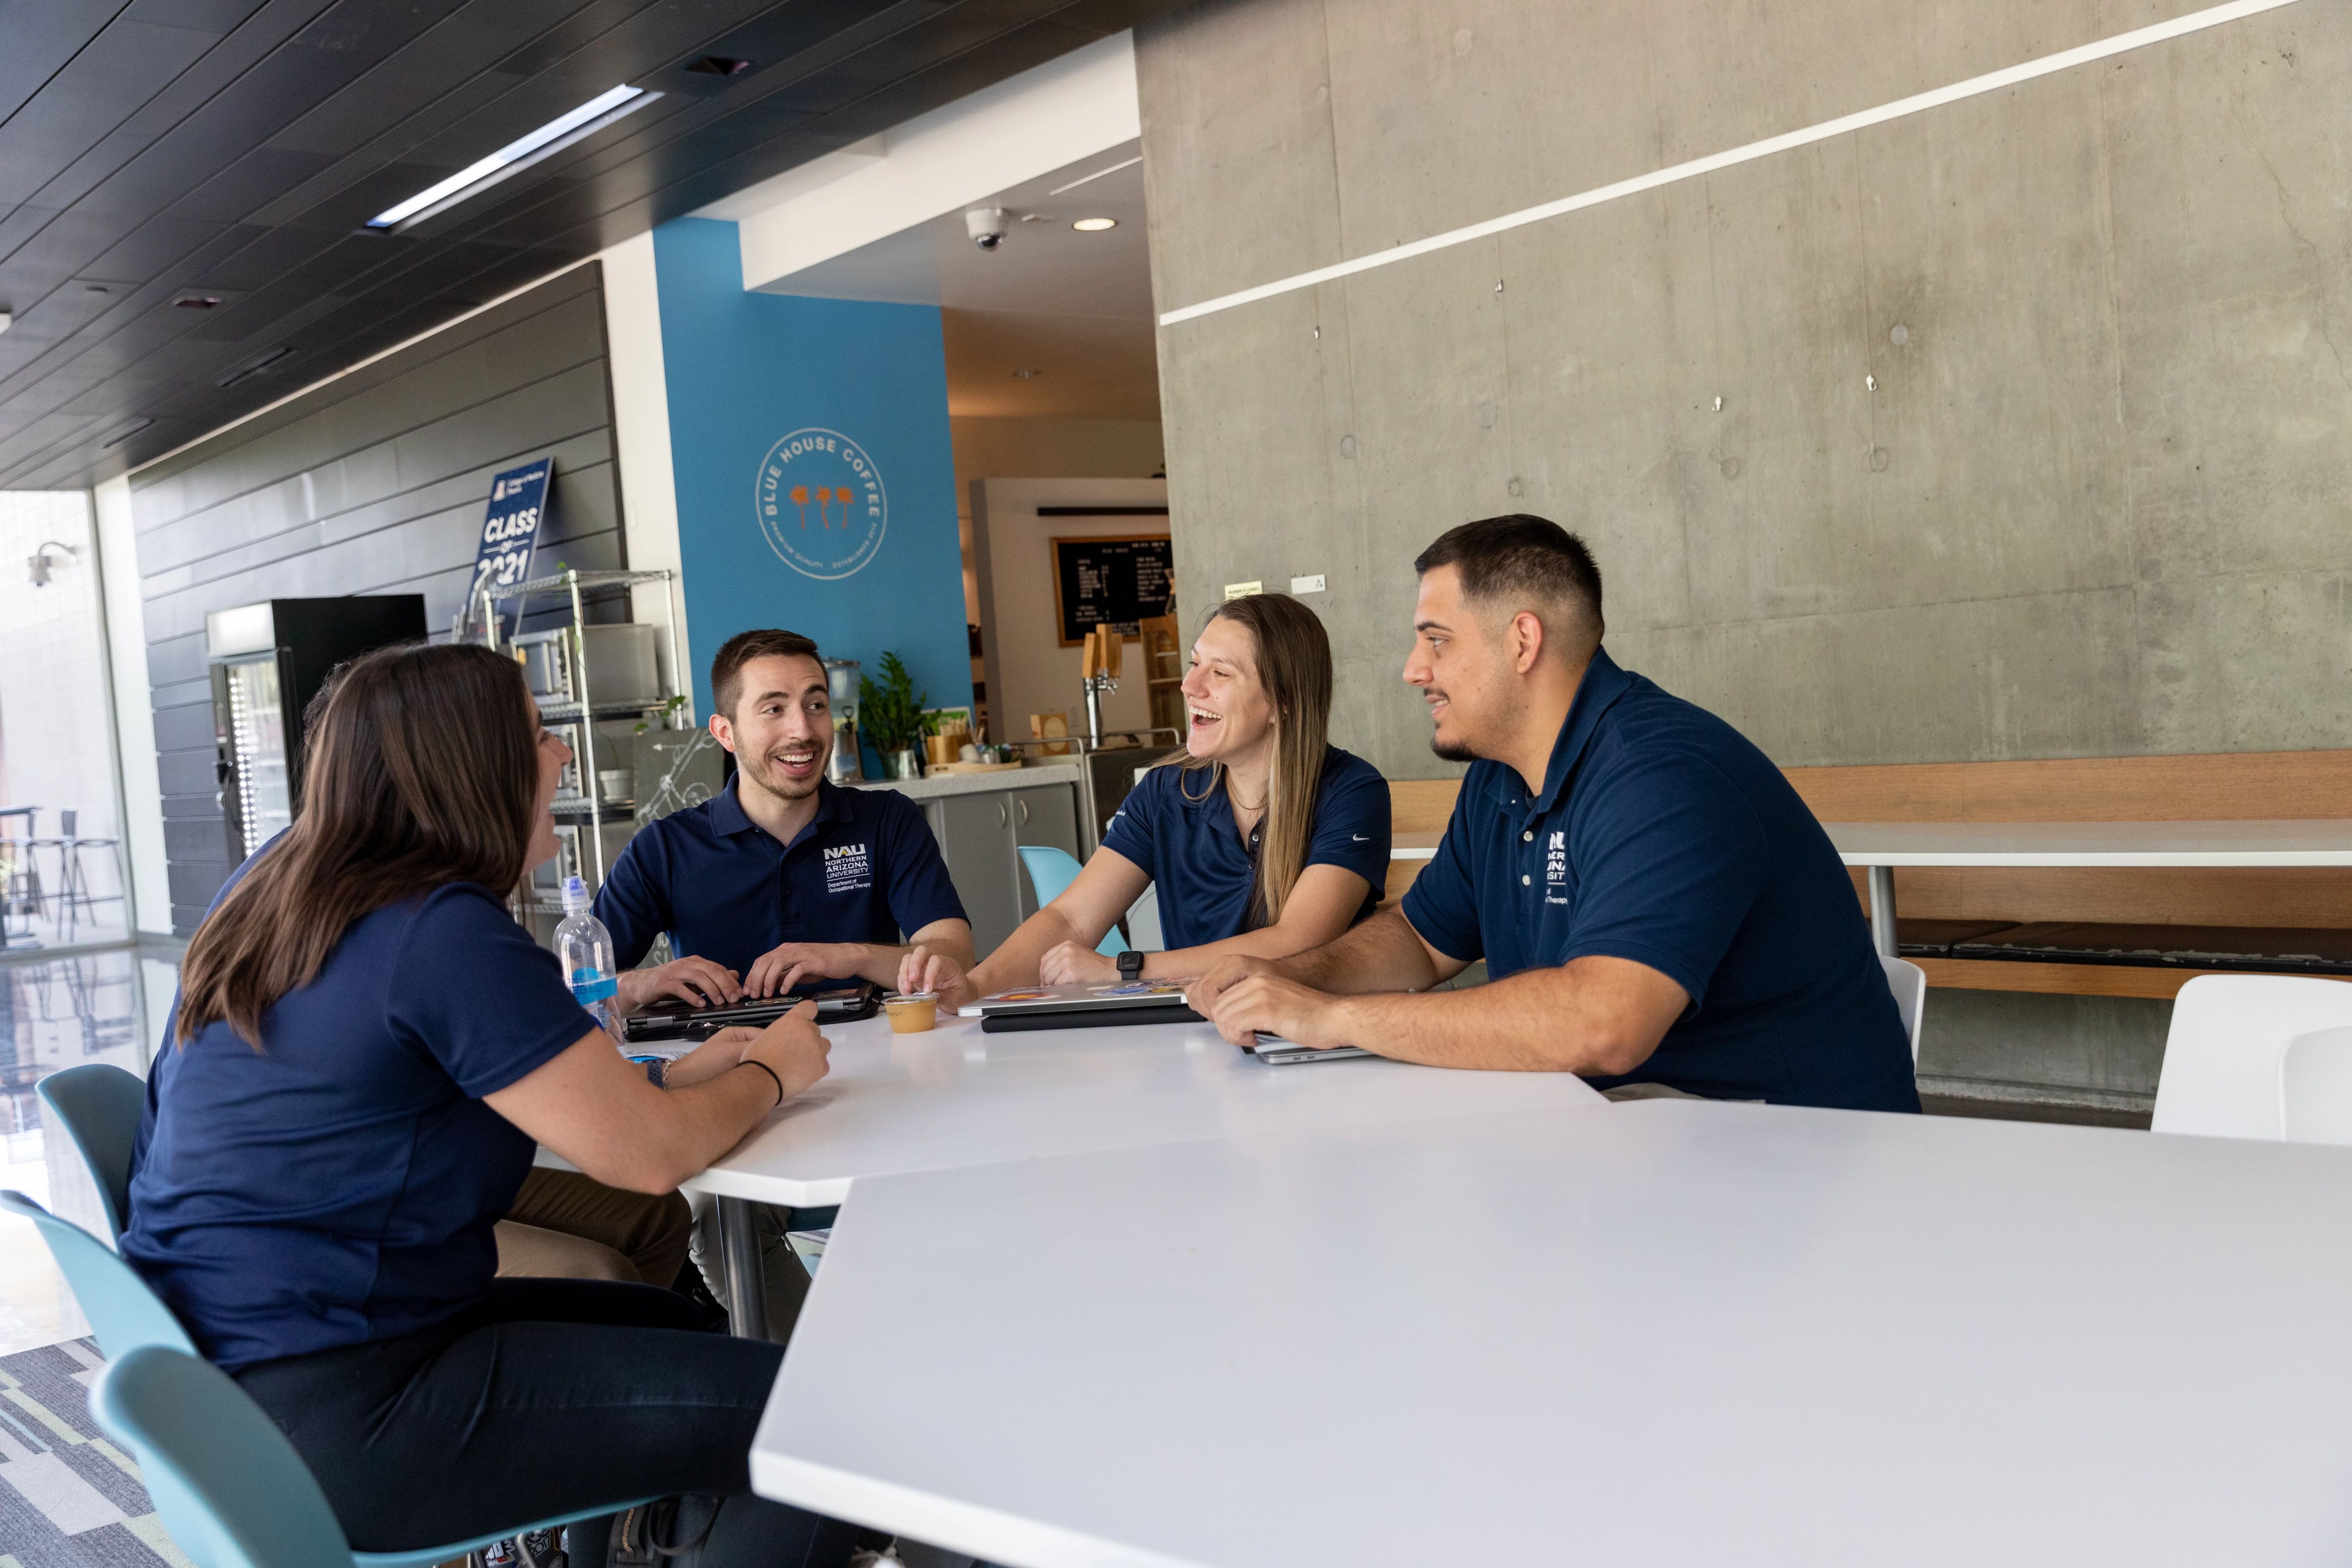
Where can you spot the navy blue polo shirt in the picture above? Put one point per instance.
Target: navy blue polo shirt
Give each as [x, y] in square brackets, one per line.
[865, 869]
[1190, 848]
[1663, 835]
[341, 1184]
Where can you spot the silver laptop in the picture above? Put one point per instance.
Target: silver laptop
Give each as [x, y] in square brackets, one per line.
[1275, 1051]
[1128, 996]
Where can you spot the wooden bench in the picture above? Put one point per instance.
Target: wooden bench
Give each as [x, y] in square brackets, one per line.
[2233, 787]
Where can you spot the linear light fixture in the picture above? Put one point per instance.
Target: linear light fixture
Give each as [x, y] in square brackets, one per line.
[1991, 81]
[513, 158]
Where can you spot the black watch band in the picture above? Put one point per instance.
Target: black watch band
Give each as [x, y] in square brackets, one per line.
[1130, 965]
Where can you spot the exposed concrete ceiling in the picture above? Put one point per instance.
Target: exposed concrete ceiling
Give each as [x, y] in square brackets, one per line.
[1075, 308]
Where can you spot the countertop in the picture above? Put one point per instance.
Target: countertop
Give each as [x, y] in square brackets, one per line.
[975, 784]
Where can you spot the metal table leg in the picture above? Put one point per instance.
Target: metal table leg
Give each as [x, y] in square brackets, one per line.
[1882, 910]
[739, 1245]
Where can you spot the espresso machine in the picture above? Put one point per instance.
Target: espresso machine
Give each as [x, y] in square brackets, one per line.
[841, 681]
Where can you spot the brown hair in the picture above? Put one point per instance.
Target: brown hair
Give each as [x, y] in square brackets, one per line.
[726, 669]
[1519, 562]
[1294, 664]
[423, 770]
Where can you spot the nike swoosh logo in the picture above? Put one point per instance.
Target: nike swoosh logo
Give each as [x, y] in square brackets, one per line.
[1361, 839]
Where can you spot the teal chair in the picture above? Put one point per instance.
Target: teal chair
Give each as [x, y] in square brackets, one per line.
[230, 1488]
[1050, 871]
[100, 1105]
[122, 1311]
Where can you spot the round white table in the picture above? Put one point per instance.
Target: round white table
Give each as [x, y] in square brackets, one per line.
[957, 1096]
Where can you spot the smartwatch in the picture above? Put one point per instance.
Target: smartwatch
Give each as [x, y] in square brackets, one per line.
[1130, 965]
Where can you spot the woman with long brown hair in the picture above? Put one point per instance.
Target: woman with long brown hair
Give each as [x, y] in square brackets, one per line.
[365, 1049]
[1264, 838]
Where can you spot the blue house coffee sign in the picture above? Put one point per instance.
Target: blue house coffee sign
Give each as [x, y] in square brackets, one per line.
[821, 504]
[511, 531]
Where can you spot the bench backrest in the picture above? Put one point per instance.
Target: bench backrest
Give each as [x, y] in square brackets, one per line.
[2229, 786]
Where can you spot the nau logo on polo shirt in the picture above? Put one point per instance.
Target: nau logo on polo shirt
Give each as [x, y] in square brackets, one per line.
[1556, 870]
[846, 868]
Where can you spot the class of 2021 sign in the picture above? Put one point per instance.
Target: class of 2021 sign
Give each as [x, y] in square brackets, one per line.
[821, 503]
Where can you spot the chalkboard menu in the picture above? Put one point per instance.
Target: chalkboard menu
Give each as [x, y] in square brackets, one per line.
[1121, 581]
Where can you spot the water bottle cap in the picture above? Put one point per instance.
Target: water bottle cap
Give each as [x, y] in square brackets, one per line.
[575, 895]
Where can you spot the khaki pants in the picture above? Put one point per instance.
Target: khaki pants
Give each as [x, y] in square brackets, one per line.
[565, 1225]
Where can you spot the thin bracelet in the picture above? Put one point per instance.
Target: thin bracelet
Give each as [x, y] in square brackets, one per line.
[747, 1062]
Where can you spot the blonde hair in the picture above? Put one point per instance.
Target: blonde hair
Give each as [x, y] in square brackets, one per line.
[1294, 663]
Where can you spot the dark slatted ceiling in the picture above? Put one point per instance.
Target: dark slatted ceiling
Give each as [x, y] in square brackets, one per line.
[229, 150]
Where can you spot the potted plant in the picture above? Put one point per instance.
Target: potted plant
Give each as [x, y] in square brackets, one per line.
[890, 713]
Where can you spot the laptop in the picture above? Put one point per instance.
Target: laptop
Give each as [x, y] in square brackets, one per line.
[673, 1018]
[1082, 1007]
[1275, 1051]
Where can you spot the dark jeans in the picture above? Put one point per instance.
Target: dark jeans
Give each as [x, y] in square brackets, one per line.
[552, 1394]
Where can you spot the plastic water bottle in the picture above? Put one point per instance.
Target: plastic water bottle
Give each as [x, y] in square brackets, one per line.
[585, 950]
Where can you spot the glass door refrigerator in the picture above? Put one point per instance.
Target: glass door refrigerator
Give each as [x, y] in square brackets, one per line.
[269, 661]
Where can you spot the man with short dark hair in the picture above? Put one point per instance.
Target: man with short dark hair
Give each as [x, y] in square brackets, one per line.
[783, 880]
[1658, 911]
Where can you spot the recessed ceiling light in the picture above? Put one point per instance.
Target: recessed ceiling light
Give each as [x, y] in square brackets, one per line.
[196, 301]
[1095, 224]
[1028, 375]
[513, 158]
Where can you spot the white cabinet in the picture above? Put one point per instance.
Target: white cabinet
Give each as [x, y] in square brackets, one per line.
[981, 832]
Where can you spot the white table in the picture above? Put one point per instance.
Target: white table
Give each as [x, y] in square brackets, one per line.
[1654, 1334]
[1880, 846]
[956, 1097]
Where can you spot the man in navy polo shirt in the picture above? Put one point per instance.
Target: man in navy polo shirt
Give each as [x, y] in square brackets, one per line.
[783, 880]
[1658, 910]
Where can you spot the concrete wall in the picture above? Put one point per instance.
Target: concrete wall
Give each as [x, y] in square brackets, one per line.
[2035, 430]
[373, 483]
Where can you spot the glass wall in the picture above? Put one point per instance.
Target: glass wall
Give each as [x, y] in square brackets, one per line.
[61, 860]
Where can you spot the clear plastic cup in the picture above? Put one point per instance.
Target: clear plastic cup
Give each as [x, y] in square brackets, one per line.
[913, 1012]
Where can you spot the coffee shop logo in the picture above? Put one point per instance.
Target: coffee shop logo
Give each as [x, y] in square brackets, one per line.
[821, 503]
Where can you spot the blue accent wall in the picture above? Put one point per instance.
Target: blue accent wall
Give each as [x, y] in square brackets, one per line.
[746, 371]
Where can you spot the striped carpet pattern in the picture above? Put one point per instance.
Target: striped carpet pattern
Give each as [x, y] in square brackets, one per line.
[69, 1498]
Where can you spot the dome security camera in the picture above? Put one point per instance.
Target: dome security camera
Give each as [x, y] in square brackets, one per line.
[987, 226]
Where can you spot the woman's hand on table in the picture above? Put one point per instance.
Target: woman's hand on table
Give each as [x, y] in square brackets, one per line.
[1069, 963]
[790, 1047]
[695, 980]
[709, 1059]
[923, 970]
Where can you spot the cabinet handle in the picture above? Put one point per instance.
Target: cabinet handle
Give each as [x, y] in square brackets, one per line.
[1001, 821]
[1023, 807]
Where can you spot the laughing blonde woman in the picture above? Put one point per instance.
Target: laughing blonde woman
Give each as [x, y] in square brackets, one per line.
[1264, 838]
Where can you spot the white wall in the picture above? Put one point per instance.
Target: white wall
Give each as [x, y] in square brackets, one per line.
[988, 447]
[1028, 669]
[1028, 125]
[641, 441]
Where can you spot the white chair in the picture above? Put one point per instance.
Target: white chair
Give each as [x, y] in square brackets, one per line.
[2226, 1058]
[1909, 984]
[2315, 1087]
